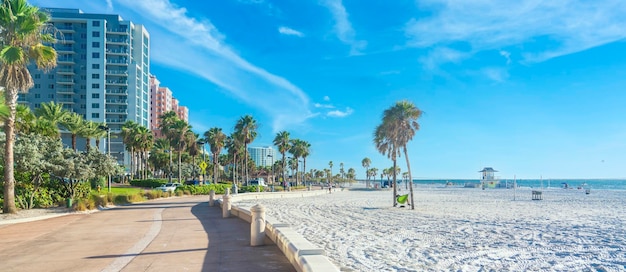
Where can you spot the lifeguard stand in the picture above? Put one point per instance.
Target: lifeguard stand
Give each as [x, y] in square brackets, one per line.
[488, 179]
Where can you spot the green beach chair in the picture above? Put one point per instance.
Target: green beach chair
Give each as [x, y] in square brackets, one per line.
[402, 199]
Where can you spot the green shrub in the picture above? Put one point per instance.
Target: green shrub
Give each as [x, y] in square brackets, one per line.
[219, 188]
[134, 198]
[154, 194]
[99, 200]
[120, 200]
[179, 192]
[148, 183]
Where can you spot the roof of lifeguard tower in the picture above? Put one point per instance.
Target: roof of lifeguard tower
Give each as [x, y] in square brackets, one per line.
[488, 169]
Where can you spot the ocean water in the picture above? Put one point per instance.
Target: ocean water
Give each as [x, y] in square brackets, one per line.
[603, 184]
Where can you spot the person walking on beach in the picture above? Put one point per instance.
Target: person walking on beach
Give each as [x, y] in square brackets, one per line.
[330, 188]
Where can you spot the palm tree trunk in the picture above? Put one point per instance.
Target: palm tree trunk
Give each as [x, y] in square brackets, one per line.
[98, 143]
[74, 142]
[132, 159]
[395, 192]
[180, 155]
[87, 144]
[9, 129]
[408, 166]
[245, 160]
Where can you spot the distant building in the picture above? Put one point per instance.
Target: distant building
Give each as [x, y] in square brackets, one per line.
[162, 101]
[262, 156]
[102, 73]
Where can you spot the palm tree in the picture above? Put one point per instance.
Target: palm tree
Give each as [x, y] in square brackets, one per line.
[74, 124]
[281, 140]
[217, 140]
[373, 173]
[52, 112]
[246, 127]
[100, 133]
[330, 164]
[398, 127]
[234, 146]
[90, 130]
[305, 151]
[159, 157]
[341, 171]
[179, 137]
[129, 130]
[22, 34]
[366, 163]
[144, 140]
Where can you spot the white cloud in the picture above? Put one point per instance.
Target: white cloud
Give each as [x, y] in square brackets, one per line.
[495, 74]
[441, 55]
[290, 31]
[324, 106]
[506, 55]
[110, 4]
[343, 27]
[200, 44]
[567, 26]
[340, 114]
[326, 98]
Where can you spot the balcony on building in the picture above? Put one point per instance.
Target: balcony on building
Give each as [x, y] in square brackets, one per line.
[119, 41]
[64, 49]
[118, 31]
[65, 71]
[117, 82]
[117, 111]
[65, 100]
[117, 52]
[65, 90]
[113, 72]
[123, 62]
[65, 28]
[65, 60]
[65, 81]
[115, 120]
[117, 101]
[116, 92]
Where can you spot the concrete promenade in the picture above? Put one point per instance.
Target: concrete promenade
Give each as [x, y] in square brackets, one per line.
[175, 234]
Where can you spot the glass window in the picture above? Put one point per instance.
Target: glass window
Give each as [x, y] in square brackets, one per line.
[95, 106]
[95, 34]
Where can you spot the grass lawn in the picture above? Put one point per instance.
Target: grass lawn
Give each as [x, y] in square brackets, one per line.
[125, 190]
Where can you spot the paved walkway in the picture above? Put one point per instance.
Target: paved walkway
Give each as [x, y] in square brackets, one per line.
[175, 234]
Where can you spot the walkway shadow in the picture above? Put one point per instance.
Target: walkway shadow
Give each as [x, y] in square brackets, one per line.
[229, 247]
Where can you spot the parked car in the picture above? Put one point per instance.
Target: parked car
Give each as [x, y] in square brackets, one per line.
[169, 187]
[257, 182]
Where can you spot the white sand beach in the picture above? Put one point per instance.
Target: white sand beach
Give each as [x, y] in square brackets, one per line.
[461, 229]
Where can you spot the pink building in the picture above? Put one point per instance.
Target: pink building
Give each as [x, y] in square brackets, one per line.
[161, 102]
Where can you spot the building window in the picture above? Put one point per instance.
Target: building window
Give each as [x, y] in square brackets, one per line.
[37, 105]
[82, 87]
[83, 106]
[95, 115]
[37, 76]
[50, 76]
[51, 86]
[95, 66]
[95, 55]
[95, 23]
[95, 44]
[95, 76]
[95, 86]
[37, 95]
[37, 86]
[51, 96]
[83, 56]
[95, 34]
[95, 95]
[95, 105]
[83, 46]
[83, 35]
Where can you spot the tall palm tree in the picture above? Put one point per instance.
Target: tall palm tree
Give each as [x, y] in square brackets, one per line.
[179, 137]
[100, 133]
[246, 127]
[22, 34]
[295, 150]
[330, 164]
[144, 140]
[341, 171]
[391, 137]
[281, 140]
[234, 144]
[366, 162]
[304, 152]
[161, 154]
[216, 140]
[74, 124]
[129, 130]
[373, 173]
[90, 130]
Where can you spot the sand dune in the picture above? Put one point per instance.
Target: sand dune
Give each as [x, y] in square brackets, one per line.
[459, 229]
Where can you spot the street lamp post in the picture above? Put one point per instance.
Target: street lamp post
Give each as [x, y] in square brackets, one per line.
[108, 130]
[203, 159]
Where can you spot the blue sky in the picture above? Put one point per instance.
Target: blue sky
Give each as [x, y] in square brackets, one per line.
[532, 88]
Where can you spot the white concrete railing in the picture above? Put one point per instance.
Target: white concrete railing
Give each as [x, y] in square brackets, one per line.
[303, 255]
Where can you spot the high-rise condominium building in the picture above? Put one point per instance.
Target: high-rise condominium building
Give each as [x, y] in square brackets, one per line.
[102, 73]
[162, 101]
[263, 156]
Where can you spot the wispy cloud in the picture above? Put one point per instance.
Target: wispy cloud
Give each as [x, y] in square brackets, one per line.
[343, 27]
[440, 55]
[323, 106]
[506, 55]
[202, 45]
[110, 4]
[568, 26]
[290, 31]
[495, 73]
[339, 113]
